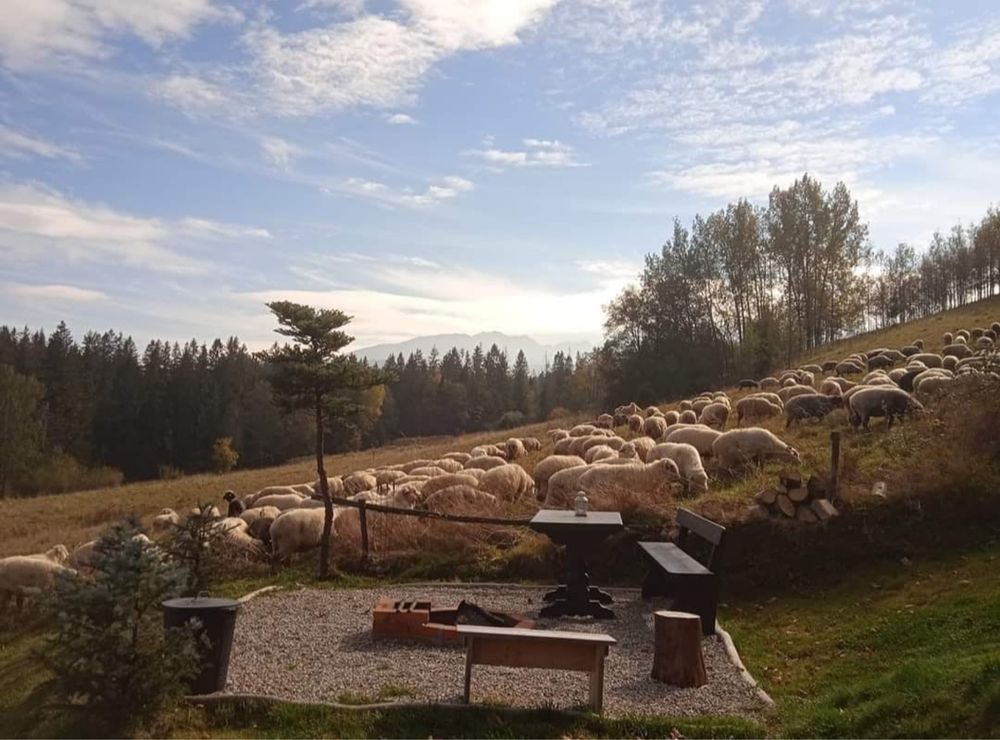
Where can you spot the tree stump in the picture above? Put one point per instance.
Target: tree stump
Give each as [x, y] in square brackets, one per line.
[677, 656]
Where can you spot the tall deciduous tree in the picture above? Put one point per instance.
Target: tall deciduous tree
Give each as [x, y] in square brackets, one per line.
[311, 374]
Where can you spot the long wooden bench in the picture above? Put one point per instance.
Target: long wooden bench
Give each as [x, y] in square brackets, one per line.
[525, 648]
[691, 585]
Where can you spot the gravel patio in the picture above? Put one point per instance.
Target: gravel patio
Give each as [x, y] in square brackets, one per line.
[316, 645]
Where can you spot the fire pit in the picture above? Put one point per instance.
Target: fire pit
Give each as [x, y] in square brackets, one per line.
[418, 620]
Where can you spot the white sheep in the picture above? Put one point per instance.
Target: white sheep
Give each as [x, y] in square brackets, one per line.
[688, 416]
[485, 462]
[280, 501]
[563, 485]
[507, 482]
[654, 427]
[297, 530]
[25, 575]
[165, 520]
[642, 479]
[515, 448]
[754, 409]
[697, 435]
[599, 452]
[465, 478]
[460, 499]
[582, 430]
[715, 414]
[687, 459]
[459, 457]
[738, 447]
[531, 444]
[359, 481]
[642, 446]
[635, 422]
[262, 512]
[549, 466]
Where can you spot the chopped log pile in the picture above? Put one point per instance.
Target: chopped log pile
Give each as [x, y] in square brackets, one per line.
[791, 499]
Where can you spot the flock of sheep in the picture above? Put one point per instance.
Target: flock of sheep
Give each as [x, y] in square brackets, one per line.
[660, 451]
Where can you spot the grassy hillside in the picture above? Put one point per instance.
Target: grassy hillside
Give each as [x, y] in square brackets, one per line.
[35, 524]
[930, 329]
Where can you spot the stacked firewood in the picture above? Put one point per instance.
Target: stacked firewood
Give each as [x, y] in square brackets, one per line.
[791, 499]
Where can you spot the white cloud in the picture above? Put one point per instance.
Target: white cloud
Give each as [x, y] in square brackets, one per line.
[367, 61]
[400, 119]
[17, 145]
[536, 153]
[444, 189]
[39, 225]
[37, 32]
[350, 8]
[202, 227]
[279, 152]
[56, 292]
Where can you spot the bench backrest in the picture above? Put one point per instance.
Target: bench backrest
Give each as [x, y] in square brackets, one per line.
[706, 529]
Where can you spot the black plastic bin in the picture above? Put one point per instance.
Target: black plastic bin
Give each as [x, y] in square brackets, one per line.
[216, 619]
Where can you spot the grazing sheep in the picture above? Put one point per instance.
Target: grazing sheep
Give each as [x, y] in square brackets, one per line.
[772, 397]
[448, 465]
[698, 436]
[428, 471]
[958, 350]
[919, 343]
[251, 499]
[24, 575]
[984, 342]
[747, 383]
[754, 409]
[460, 500]
[909, 350]
[975, 333]
[262, 512]
[386, 478]
[581, 444]
[460, 457]
[814, 406]
[848, 368]
[814, 369]
[643, 479]
[948, 338]
[738, 447]
[165, 520]
[794, 390]
[507, 482]
[688, 416]
[651, 411]
[599, 452]
[551, 465]
[655, 427]
[531, 444]
[558, 434]
[582, 430]
[671, 417]
[769, 383]
[452, 479]
[605, 421]
[235, 506]
[830, 388]
[212, 512]
[297, 530]
[927, 388]
[684, 406]
[404, 497]
[628, 452]
[359, 481]
[485, 463]
[688, 461]
[635, 422]
[642, 446]
[280, 501]
[880, 362]
[563, 485]
[829, 366]
[930, 359]
[715, 415]
[888, 402]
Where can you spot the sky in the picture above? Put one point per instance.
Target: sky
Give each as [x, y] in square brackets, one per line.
[434, 166]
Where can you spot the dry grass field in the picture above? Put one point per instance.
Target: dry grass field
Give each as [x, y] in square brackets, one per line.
[32, 525]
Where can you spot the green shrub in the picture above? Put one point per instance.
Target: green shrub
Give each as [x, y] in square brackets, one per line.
[194, 545]
[511, 419]
[224, 457]
[110, 654]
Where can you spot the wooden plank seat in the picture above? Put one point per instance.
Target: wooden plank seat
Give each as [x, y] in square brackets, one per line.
[526, 648]
[690, 584]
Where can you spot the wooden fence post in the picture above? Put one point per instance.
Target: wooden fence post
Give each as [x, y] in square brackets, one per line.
[834, 466]
[363, 516]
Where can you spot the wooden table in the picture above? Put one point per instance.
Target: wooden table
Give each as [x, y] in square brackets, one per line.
[581, 536]
[551, 649]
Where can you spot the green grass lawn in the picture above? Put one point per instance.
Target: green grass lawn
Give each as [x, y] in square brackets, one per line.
[907, 650]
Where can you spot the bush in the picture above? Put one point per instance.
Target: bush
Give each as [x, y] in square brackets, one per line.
[511, 419]
[62, 473]
[110, 653]
[224, 457]
[559, 412]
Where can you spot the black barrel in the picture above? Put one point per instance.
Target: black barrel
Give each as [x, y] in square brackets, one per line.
[216, 619]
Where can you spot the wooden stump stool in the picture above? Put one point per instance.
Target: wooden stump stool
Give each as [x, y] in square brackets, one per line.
[677, 656]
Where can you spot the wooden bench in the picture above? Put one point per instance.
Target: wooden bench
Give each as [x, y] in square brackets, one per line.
[524, 648]
[674, 573]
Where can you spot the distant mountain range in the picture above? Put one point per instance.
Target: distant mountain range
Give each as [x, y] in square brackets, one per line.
[536, 353]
